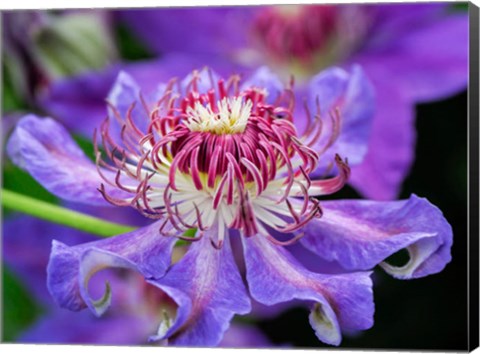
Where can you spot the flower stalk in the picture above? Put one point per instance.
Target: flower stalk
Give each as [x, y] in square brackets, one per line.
[62, 216]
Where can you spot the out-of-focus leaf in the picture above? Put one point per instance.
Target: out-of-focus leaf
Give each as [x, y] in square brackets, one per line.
[17, 180]
[19, 309]
[10, 99]
[129, 46]
[461, 6]
[86, 145]
[72, 43]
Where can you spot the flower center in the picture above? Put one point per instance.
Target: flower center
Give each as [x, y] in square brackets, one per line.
[217, 158]
[230, 116]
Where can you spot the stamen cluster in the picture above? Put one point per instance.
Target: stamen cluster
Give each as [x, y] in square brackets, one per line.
[222, 158]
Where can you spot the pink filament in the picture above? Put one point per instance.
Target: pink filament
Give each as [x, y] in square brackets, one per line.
[262, 153]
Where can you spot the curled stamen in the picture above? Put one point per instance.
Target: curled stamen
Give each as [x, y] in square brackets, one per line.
[285, 243]
[218, 245]
[220, 156]
[199, 218]
[255, 173]
[315, 211]
[332, 185]
[112, 200]
[162, 231]
[191, 239]
[336, 120]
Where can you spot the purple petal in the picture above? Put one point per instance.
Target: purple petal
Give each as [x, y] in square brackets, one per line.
[66, 327]
[126, 100]
[361, 234]
[420, 72]
[312, 262]
[242, 336]
[206, 78]
[45, 149]
[131, 319]
[265, 312]
[423, 72]
[391, 21]
[124, 92]
[439, 69]
[352, 93]
[340, 301]
[208, 289]
[79, 102]
[265, 78]
[391, 146]
[144, 250]
[210, 30]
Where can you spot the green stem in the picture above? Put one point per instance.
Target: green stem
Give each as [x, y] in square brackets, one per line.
[59, 215]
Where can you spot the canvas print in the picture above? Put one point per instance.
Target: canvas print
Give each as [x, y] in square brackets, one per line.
[257, 176]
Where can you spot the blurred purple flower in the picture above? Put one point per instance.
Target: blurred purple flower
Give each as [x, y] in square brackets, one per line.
[411, 52]
[224, 157]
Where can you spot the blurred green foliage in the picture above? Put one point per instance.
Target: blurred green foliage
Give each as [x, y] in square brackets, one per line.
[460, 6]
[17, 180]
[72, 43]
[19, 308]
[129, 46]
[10, 99]
[86, 145]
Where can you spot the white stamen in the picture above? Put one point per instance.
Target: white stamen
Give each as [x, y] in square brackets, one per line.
[231, 116]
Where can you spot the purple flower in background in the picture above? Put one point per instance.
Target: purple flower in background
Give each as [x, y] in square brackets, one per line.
[223, 157]
[411, 53]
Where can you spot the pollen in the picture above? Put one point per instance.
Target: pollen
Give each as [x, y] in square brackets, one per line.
[230, 116]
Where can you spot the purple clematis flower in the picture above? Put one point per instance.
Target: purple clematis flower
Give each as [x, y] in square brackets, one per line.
[411, 52]
[224, 157]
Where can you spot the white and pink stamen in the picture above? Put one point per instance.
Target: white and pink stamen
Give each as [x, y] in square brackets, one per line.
[223, 159]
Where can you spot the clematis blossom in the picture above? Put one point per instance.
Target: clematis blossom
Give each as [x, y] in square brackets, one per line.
[411, 52]
[224, 157]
